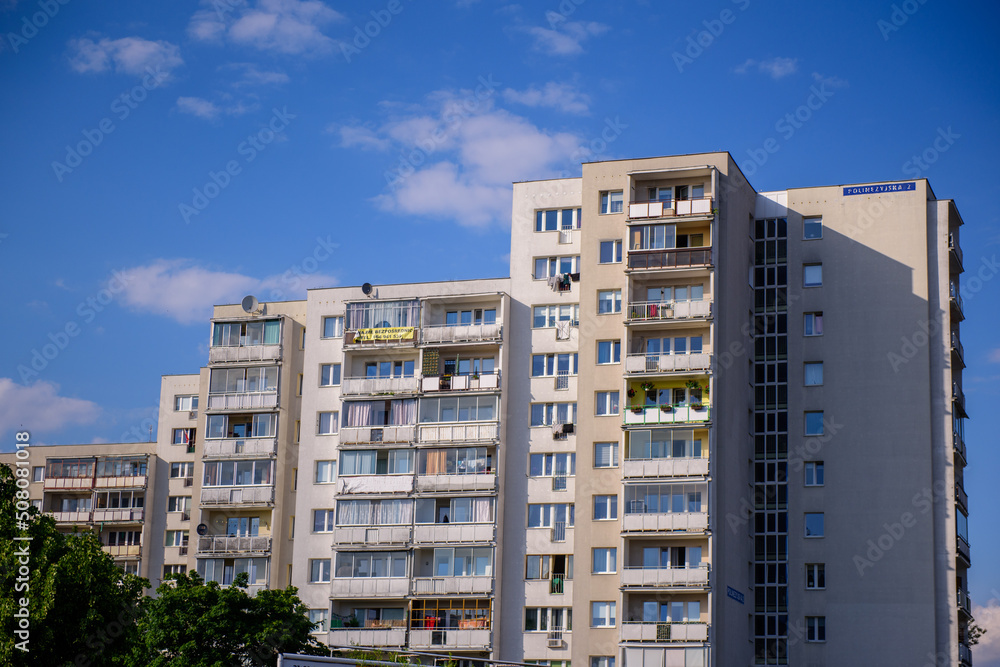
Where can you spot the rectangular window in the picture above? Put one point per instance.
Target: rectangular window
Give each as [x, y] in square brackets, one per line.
[813, 373]
[814, 473]
[609, 301]
[550, 317]
[603, 614]
[182, 436]
[176, 538]
[814, 423]
[605, 454]
[812, 275]
[181, 469]
[545, 516]
[323, 521]
[609, 352]
[605, 561]
[325, 471]
[814, 524]
[812, 324]
[179, 504]
[815, 628]
[329, 375]
[547, 267]
[333, 327]
[550, 465]
[319, 570]
[547, 414]
[612, 201]
[318, 618]
[815, 576]
[328, 423]
[605, 507]
[185, 403]
[607, 403]
[812, 228]
[602, 661]
[549, 365]
[611, 252]
[38, 473]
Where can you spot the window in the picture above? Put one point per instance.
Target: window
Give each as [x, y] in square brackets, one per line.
[815, 576]
[548, 365]
[543, 619]
[376, 462]
[182, 436]
[373, 564]
[547, 267]
[260, 425]
[544, 516]
[812, 275]
[318, 618]
[607, 403]
[333, 327]
[814, 524]
[238, 473]
[605, 507]
[815, 628]
[38, 473]
[814, 423]
[37, 504]
[176, 538]
[456, 562]
[549, 465]
[664, 498]
[662, 443]
[319, 570]
[612, 201]
[323, 521]
[609, 352]
[179, 504]
[455, 461]
[814, 473]
[453, 510]
[544, 567]
[325, 471]
[611, 252]
[181, 469]
[547, 414]
[605, 561]
[813, 324]
[609, 301]
[813, 373]
[243, 334]
[328, 422]
[602, 661]
[812, 228]
[329, 375]
[556, 219]
[549, 317]
[458, 409]
[605, 454]
[185, 403]
[256, 379]
[298, 431]
[169, 570]
[603, 614]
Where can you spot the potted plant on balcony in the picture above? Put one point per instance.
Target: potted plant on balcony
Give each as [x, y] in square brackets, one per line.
[445, 382]
[636, 408]
[630, 393]
[647, 386]
[352, 622]
[666, 408]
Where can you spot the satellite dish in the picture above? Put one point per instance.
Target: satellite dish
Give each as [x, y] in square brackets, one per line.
[202, 529]
[367, 289]
[249, 303]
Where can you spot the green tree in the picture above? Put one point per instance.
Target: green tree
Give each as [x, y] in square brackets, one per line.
[196, 624]
[81, 607]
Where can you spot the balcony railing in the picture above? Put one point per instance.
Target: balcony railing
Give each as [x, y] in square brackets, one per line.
[957, 348]
[457, 482]
[961, 497]
[453, 533]
[227, 447]
[559, 531]
[959, 397]
[370, 587]
[964, 601]
[460, 639]
[963, 548]
[374, 484]
[374, 636]
[641, 210]
[964, 655]
[57, 483]
[955, 253]
[122, 550]
[487, 382]
[667, 577]
[665, 521]
[657, 311]
[244, 353]
[667, 467]
[73, 517]
[461, 333]
[452, 585]
[674, 258]
[232, 544]
[130, 515]
[460, 432]
[243, 401]
[668, 363]
[237, 495]
[957, 306]
[371, 535]
[637, 631]
[375, 435]
[120, 482]
[677, 414]
[958, 443]
[355, 386]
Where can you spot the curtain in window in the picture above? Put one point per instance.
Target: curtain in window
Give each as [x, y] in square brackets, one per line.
[482, 510]
[436, 461]
[271, 330]
[358, 413]
[403, 412]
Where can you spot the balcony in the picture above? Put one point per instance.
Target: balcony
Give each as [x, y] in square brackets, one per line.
[964, 603]
[692, 522]
[452, 585]
[635, 631]
[243, 401]
[460, 432]
[669, 467]
[371, 535]
[72, 517]
[964, 655]
[643, 210]
[955, 255]
[665, 577]
[673, 258]
[61, 483]
[963, 550]
[239, 447]
[454, 533]
[374, 484]
[376, 435]
[489, 382]
[461, 333]
[120, 482]
[358, 386]
[958, 396]
[957, 306]
[456, 639]
[237, 495]
[221, 354]
[666, 311]
[373, 636]
[130, 515]
[677, 414]
[370, 587]
[122, 550]
[668, 363]
[234, 544]
[958, 444]
[961, 497]
[457, 482]
[957, 351]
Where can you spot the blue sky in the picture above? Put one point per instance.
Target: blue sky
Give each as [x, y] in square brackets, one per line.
[162, 157]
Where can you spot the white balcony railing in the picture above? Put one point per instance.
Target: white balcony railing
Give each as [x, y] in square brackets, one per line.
[227, 544]
[466, 482]
[355, 386]
[122, 550]
[656, 311]
[452, 585]
[120, 482]
[244, 353]
[448, 638]
[225, 447]
[634, 631]
[672, 467]
[667, 363]
[243, 401]
[666, 576]
[678, 414]
[453, 533]
[237, 495]
[351, 637]
[129, 515]
[369, 587]
[659, 209]
[446, 333]
[371, 535]
[461, 382]
[352, 435]
[69, 483]
[375, 484]
[670, 521]
[460, 432]
[72, 517]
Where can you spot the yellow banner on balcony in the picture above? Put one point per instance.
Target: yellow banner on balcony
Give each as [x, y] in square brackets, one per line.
[386, 333]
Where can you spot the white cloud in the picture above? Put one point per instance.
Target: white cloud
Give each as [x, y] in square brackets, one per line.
[831, 81]
[186, 292]
[39, 407]
[129, 55]
[776, 68]
[360, 136]
[283, 26]
[202, 108]
[987, 651]
[562, 37]
[560, 96]
[249, 75]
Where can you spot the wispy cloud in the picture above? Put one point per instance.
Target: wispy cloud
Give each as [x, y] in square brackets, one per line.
[776, 68]
[202, 108]
[248, 74]
[128, 55]
[359, 136]
[283, 26]
[563, 37]
[831, 81]
[561, 96]
[988, 649]
[39, 407]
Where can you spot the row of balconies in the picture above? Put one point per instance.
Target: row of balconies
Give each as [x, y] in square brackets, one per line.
[401, 587]
[654, 364]
[72, 483]
[408, 483]
[132, 515]
[420, 534]
[461, 432]
[440, 334]
[456, 639]
[665, 311]
[233, 544]
[360, 386]
[249, 447]
[237, 495]
[667, 414]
